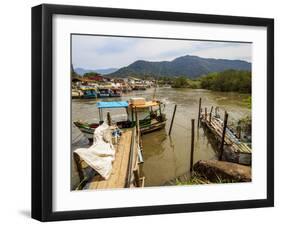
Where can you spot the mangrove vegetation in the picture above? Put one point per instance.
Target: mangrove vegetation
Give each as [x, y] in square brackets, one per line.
[226, 81]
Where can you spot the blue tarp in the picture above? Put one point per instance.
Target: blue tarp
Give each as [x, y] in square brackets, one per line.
[113, 104]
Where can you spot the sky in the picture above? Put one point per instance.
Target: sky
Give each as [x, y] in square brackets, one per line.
[101, 52]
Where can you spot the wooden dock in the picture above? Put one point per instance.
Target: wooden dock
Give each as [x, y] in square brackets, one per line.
[236, 150]
[215, 125]
[124, 167]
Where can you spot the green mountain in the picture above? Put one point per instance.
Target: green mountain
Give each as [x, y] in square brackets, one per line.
[191, 66]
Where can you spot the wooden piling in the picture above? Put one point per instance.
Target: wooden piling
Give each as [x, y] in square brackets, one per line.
[137, 124]
[100, 116]
[137, 177]
[210, 116]
[239, 132]
[206, 114]
[192, 144]
[223, 134]
[154, 92]
[78, 166]
[199, 111]
[109, 121]
[172, 122]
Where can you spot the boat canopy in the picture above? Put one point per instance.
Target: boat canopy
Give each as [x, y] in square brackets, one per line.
[84, 88]
[146, 105]
[113, 104]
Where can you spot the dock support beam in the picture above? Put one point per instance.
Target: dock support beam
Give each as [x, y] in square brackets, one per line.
[210, 116]
[199, 111]
[137, 122]
[78, 166]
[109, 119]
[137, 177]
[172, 122]
[192, 144]
[223, 134]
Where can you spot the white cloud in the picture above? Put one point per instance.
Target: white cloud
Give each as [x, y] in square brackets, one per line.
[95, 52]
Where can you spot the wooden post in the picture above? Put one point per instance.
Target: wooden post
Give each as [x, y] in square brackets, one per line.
[238, 132]
[100, 115]
[210, 116]
[223, 134]
[137, 123]
[192, 144]
[132, 111]
[137, 177]
[137, 120]
[206, 114]
[154, 92]
[216, 111]
[199, 111]
[79, 166]
[109, 119]
[172, 122]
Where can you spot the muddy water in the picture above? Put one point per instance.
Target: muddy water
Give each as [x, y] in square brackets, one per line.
[167, 157]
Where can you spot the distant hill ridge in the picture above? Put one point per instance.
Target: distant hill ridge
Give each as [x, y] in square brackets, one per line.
[191, 66]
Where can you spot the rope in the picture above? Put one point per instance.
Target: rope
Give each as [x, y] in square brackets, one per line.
[179, 125]
[75, 139]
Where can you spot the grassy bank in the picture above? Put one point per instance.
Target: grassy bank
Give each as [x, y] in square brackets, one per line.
[196, 178]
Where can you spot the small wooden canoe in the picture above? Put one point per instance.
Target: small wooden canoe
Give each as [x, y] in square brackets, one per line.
[146, 126]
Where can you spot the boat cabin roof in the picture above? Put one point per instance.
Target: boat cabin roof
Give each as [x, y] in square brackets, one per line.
[84, 88]
[146, 105]
[113, 104]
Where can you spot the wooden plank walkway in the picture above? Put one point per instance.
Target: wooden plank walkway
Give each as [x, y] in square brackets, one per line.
[120, 166]
[215, 125]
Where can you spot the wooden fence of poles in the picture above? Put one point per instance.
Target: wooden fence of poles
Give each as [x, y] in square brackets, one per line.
[192, 144]
[223, 134]
[199, 112]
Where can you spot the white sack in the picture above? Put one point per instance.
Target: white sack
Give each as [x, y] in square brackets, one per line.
[101, 154]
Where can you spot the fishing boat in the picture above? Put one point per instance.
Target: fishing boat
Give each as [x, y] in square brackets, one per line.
[115, 92]
[89, 92]
[139, 87]
[88, 128]
[76, 93]
[126, 88]
[148, 113]
[104, 92]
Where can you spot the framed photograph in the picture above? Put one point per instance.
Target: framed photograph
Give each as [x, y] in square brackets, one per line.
[145, 112]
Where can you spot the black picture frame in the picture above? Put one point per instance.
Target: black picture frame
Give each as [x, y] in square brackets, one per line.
[42, 111]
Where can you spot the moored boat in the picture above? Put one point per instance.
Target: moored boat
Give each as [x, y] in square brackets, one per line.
[139, 87]
[76, 93]
[154, 120]
[87, 129]
[104, 92]
[89, 92]
[115, 92]
[149, 114]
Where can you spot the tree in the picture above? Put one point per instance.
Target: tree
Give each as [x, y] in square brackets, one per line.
[90, 74]
[180, 82]
[229, 80]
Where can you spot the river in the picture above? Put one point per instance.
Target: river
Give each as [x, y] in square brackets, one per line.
[167, 157]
